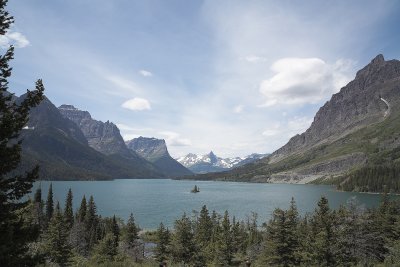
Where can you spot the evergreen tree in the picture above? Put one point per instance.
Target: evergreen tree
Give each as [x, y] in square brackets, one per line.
[324, 234]
[13, 187]
[132, 231]
[275, 248]
[105, 250]
[38, 196]
[91, 223]
[68, 211]
[162, 249]
[115, 230]
[204, 228]
[49, 203]
[38, 207]
[292, 238]
[183, 242]
[82, 210]
[224, 251]
[56, 243]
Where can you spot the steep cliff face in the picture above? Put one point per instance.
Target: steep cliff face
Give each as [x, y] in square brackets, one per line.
[148, 148]
[155, 151]
[104, 137]
[357, 105]
[359, 125]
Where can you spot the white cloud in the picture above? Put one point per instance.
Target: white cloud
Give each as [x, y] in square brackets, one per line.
[255, 59]
[295, 125]
[304, 80]
[123, 83]
[137, 104]
[238, 109]
[13, 38]
[145, 73]
[174, 139]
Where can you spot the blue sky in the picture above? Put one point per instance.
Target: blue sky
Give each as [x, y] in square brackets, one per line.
[235, 77]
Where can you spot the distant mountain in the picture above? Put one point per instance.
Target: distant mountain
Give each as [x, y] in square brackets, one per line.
[355, 135]
[61, 149]
[211, 163]
[155, 151]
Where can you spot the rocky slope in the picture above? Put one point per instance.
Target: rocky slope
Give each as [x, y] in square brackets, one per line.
[359, 125]
[155, 151]
[60, 148]
[211, 163]
[102, 136]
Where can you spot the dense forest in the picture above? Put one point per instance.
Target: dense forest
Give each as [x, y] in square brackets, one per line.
[349, 236]
[373, 178]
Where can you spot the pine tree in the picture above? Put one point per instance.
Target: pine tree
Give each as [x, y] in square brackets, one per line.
[292, 238]
[91, 223]
[204, 228]
[324, 233]
[224, 251]
[183, 242]
[56, 239]
[82, 210]
[38, 207]
[49, 203]
[131, 234]
[38, 195]
[115, 230]
[105, 250]
[275, 248]
[13, 117]
[68, 211]
[162, 249]
[130, 238]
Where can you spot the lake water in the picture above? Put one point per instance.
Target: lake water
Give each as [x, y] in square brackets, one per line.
[161, 200]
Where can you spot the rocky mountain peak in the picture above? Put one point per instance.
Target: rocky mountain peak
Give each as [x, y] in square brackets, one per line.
[148, 147]
[357, 104]
[105, 137]
[213, 157]
[378, 59]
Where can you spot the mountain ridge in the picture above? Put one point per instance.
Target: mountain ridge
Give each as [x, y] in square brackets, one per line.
[212, 163]
[357, 127]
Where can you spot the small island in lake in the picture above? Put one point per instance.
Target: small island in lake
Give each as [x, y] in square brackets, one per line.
[195, 189]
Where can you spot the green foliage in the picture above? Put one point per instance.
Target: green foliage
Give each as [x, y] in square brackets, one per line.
[14, 233]
[56, 246]
[82, 210]
[106, 249]
[68, 211]
[183, 246]
[49, 204]
[373, 178]
[162, 250]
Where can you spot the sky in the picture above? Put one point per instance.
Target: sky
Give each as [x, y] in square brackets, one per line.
[235, 77]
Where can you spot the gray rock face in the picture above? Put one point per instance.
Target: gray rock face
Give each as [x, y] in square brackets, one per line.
[104, 137]
[148, 148]
[155, 151]
[356, 105]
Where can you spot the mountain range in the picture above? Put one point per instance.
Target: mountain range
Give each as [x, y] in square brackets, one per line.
[69, 145]
[358, 128]
[211, 163]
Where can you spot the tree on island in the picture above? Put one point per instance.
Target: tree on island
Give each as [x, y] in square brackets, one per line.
[14, 233]
[195, 189]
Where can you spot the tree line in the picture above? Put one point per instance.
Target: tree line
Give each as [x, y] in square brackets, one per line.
[373, 178]
[348, 236]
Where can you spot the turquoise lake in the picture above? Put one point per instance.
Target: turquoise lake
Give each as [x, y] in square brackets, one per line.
[161, 200]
